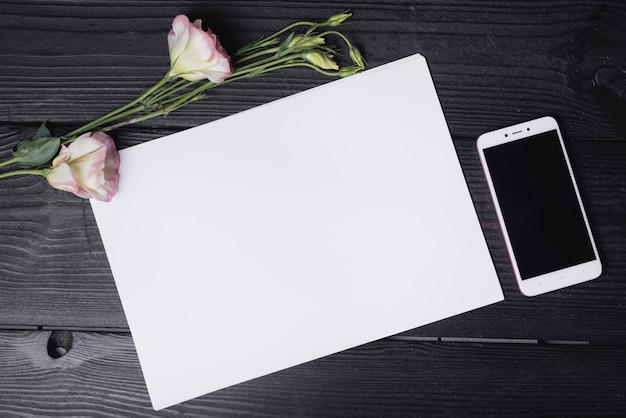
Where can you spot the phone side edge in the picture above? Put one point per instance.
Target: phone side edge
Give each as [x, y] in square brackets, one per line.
[484, 141]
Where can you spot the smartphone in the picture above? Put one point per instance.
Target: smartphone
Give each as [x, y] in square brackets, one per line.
[538, 204]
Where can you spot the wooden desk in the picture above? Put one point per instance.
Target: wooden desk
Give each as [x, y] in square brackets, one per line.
[493, 63]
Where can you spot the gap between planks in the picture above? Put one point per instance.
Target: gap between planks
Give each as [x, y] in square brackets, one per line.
[481, 340]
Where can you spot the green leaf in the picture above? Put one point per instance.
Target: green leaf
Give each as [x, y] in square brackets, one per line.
[43, 131]
[36, 152]
[285, 45]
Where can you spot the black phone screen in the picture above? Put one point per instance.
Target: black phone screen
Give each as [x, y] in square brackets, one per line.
[539, 204]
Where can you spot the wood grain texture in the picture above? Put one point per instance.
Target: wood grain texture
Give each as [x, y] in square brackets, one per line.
[494, 63]
[101, 377]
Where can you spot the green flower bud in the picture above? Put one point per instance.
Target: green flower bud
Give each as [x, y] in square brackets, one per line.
[338, 19]
[322, 60]
[356, 56]
[348, 71]
[303, 42]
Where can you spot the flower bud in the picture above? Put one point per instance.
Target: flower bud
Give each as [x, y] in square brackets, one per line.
[350, 70]
[303, 42]
[356, 56]
[338, 19]
[322, 60]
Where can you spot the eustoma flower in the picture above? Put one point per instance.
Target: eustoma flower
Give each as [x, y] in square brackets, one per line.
[88, 167]
[87, 162]
[196, 54]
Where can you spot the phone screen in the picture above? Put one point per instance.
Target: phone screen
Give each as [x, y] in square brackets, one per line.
[539, 205]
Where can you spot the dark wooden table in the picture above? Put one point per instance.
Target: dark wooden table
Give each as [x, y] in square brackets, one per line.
[493, 63]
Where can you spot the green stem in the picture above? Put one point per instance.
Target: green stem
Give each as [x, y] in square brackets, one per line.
[308, 65]
[258, 54]
[254, 65]
[118, 113]
[337, 33]
[22, 172]
[294, 25]
[69, 138]
[8, 162]
[249, 71]
[243, 72]
[166, 97]
[254, 46]
[170, 90]
[262, 64]
[174, 104]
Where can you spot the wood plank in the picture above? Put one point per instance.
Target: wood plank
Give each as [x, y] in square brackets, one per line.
[35, 292]
[53, 268]
[493, 63]
[100, 376]
[68, 63]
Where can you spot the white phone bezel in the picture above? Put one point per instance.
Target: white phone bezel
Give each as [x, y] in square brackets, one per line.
[556, 279]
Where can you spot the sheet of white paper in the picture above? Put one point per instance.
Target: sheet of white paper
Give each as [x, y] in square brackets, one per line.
[294, 230]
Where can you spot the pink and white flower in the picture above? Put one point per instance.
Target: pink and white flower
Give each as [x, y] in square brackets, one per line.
[88, 167]
[196, 54]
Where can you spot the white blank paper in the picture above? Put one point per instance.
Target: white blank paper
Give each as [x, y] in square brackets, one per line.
[292, 231]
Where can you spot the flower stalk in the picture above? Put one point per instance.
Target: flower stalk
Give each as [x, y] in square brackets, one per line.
[22, 172]
[198, 63]
[164, 97]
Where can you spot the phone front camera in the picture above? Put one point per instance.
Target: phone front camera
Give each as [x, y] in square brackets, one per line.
[528, 129]
[506, 135]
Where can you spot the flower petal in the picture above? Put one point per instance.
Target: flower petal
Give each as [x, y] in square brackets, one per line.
[64, 154]
[83, 145]
[61, 177]
[178, 37]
